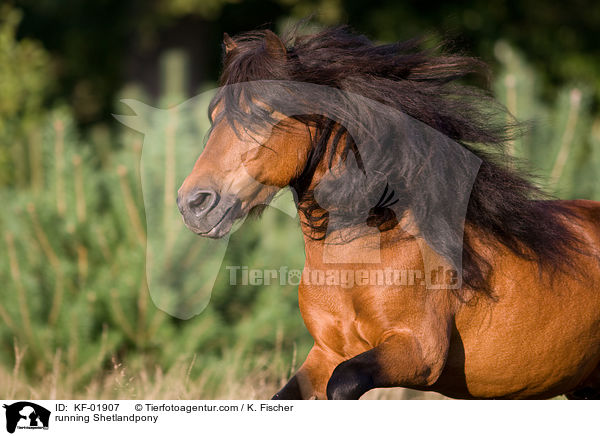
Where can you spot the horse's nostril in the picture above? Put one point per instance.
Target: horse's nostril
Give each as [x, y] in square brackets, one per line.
[201, 202]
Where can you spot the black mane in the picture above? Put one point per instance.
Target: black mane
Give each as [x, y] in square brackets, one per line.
[504, 206]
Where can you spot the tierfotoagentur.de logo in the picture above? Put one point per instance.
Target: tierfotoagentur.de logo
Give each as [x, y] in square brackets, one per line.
[25, 415]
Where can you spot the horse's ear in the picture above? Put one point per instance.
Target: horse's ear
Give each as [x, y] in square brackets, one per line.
[229, 43]
[274, 45]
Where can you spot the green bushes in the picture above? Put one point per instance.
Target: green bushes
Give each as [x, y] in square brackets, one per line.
[75, 291]
[561, 144]
[25, 81]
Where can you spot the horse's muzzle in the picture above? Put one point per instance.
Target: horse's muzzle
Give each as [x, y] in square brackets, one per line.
[207, 213]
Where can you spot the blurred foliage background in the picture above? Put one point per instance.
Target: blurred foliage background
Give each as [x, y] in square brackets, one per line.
[76, 319]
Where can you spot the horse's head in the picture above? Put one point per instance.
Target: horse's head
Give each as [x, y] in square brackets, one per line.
[237, 171]
[253, 150]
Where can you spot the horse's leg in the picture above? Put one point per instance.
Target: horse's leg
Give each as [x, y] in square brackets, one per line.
[398, 361]
[310, 381]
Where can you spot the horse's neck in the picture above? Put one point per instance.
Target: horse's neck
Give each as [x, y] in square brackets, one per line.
[362, 245]
[345, 246]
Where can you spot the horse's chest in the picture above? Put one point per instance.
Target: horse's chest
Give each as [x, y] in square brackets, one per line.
[334, 320]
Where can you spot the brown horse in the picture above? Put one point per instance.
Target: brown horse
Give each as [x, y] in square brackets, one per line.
[525, 320]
